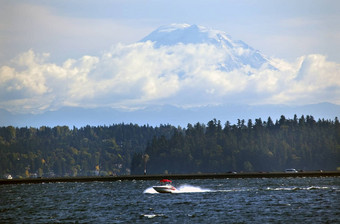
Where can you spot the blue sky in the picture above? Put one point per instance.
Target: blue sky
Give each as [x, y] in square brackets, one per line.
[285, 29]
[53, 52]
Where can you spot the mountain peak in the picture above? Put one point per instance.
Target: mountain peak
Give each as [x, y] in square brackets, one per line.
[239, 53]
[184, 33]
[173, 26]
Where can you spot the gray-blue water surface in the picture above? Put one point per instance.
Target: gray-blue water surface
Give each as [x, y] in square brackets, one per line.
[277, 200]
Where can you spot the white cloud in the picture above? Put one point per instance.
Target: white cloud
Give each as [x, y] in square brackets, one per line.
[135, 75]
[316, 80]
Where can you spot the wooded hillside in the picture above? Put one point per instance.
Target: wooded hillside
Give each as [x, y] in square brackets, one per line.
[300, 143]
[265, 146]
[60, 151]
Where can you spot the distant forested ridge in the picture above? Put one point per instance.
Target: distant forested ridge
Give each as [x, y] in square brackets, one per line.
[300, 143]
[61, 151]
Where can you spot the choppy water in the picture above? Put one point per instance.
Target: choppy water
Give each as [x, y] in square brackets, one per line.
[277, 200]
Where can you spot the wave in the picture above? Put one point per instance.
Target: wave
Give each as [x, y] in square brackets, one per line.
[191, 189]
[181, 189]
[151, 216]
[296, 188]
[195, 189]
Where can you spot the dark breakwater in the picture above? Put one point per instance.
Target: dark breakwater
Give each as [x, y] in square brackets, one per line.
[170, 176]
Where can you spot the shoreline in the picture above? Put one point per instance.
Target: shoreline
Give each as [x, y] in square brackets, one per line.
[169, 176]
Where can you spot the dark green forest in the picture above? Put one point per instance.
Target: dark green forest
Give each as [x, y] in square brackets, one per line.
[252, 146]
[260, 146]
[61, 151]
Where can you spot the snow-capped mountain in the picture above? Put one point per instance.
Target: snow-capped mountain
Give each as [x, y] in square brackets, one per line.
[238, 53]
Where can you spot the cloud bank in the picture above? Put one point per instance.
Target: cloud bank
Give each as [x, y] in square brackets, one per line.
[137, 75]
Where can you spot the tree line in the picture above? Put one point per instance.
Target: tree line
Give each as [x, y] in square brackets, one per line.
[252, 146]
[118, 149]
[61, 151]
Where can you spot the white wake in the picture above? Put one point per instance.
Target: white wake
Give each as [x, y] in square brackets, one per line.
[181, 189]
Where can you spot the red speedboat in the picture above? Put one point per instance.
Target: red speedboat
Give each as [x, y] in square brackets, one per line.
[165, 186]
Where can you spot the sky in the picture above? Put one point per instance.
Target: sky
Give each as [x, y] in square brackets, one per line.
[86, 53]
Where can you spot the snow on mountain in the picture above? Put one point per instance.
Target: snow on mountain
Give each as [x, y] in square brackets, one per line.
[238, 53]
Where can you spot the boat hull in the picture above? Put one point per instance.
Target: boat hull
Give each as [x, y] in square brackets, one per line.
[164, 189]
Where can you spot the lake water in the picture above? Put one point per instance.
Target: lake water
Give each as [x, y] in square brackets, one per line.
[276, 200]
